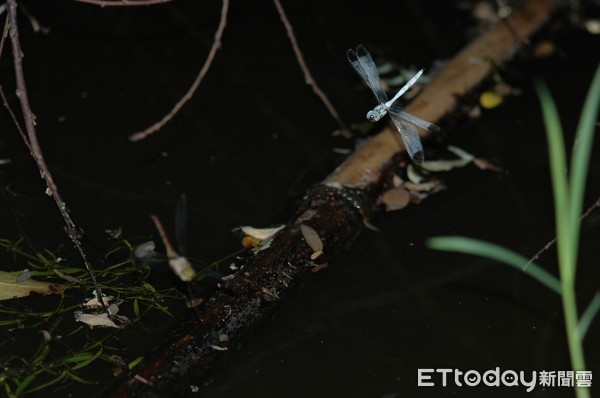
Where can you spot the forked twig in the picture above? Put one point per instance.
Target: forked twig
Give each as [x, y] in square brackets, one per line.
[33, 144]
[188, 95]
[308, 78]
[553, 241]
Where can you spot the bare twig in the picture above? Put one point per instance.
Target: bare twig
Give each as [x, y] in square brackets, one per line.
[188, 95]
[14, 119]
[123, 3]
[4, 34]
[307, 75]
[553, 241]
[33, 144]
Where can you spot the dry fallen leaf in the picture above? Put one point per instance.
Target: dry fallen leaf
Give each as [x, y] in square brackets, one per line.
[95, 320]
[10, 288]
[395, 199]
[261, 233]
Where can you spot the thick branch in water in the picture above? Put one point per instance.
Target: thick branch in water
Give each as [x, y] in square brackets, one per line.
[335, 209]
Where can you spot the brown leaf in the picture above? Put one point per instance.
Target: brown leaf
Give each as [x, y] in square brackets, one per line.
[10, 288]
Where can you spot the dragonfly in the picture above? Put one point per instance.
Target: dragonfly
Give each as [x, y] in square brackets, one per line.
[363, 64]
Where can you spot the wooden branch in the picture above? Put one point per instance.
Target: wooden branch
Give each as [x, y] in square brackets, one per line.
[123, 3]
[335, 209]
[439, 98]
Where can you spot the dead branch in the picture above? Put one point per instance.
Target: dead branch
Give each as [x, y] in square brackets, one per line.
[308, 78]
[188, 95]
[123, 3]
[32, 143]
[464, 72]
[335, 209]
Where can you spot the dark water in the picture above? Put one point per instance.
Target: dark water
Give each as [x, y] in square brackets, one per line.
[254, 137]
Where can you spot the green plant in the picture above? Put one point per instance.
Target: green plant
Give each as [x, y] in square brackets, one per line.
[568, 190]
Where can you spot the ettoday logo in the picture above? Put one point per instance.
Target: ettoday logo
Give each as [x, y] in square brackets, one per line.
[507, 378]
[472, 378]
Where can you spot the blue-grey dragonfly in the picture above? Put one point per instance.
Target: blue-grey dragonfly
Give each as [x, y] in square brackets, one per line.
[406, 123]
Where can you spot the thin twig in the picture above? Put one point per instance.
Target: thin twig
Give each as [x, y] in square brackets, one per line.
[34, 145]
[4, 34]
[553, 241]
[188, 95]
[14, 119]
[308, 78]
[123, 3]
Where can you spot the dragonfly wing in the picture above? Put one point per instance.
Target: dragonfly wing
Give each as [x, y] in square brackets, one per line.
[364, 65]
[410, 137]
[424, 124]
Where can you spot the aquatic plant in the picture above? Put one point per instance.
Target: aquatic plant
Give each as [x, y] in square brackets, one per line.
[43, 347]
[568, 189]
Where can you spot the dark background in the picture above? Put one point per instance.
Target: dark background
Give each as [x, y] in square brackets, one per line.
[255, 136]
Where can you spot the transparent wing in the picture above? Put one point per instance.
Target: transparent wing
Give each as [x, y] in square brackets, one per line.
[364, 65]
[410, 137]
[424, 124]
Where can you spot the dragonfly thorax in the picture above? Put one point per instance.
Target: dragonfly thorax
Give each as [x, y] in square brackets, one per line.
[377, 113]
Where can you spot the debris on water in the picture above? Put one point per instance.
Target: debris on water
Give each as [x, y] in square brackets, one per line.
[26, 274]
[95, 302]
[223, 338]
[592, 26]
[46, 335]
[412, 174]
[192, 303]
[313, 240]
[114, 233]
[250, 241]
[261, 233]
[93, 320]
[495, 96]
[218, 348]
[395, 199]
[271, 293]
[141, 379]
[113, 309]
[319, 267]
[490, 100]
[544, 49]
[144, 250]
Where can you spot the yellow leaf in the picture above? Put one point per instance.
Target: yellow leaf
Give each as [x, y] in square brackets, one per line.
[10, 288]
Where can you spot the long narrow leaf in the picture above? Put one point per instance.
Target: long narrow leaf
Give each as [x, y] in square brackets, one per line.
[558, 167]
[582, 149]
[466, 245]
[589, 315]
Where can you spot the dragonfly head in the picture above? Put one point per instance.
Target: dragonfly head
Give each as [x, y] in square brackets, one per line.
[373, 116]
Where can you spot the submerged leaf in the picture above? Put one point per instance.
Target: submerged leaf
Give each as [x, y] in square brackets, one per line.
[395, 199]
[144, 249]
[95, 320]
[10, 288]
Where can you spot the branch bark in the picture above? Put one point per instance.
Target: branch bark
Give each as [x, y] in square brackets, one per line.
[335, 209]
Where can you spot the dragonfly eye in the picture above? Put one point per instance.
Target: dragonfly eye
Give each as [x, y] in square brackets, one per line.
[372, 116]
